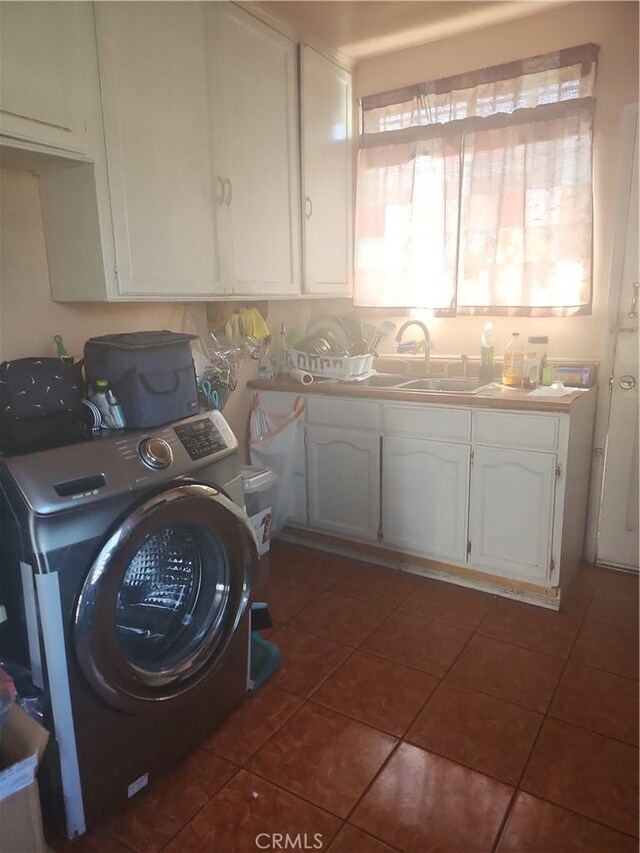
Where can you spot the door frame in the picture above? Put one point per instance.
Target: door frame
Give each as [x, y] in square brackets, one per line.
[629, 130]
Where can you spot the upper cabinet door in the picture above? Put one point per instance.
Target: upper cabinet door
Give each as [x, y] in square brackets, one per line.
[45, 49]
[257, 155]
[327, 174]
[155, 80]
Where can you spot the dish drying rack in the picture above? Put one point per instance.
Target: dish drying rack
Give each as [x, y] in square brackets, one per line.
[331, 366]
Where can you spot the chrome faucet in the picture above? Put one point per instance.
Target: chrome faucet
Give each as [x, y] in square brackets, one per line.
[427, 343]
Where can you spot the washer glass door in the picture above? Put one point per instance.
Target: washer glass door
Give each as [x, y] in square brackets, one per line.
[174, 591]
[164, 597]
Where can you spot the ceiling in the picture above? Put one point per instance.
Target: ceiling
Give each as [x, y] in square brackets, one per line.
[363, 29]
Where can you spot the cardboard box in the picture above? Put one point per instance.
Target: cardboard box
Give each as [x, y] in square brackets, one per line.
[22, 743]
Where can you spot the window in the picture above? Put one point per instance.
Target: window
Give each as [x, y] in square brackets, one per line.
[474, 192]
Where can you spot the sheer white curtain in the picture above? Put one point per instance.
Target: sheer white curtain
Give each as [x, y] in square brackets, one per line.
[525, 218]
[407, 222]
[474, 192]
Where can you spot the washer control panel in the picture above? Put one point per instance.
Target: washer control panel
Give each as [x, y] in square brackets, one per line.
[200, 438]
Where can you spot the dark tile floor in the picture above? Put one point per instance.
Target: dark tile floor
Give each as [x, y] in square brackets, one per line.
[415, 715]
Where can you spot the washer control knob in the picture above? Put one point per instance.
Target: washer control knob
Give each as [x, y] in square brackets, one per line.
[156, 453]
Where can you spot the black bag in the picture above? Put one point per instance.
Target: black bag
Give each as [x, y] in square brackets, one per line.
[151, 374]
[40, 404]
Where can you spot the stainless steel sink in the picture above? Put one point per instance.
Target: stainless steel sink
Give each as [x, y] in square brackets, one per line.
[466, 385]
[382, 380]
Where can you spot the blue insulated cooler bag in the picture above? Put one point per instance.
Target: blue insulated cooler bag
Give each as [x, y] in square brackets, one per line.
[151, 374]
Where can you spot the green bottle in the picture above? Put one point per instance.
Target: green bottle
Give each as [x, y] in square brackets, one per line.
[487, 370]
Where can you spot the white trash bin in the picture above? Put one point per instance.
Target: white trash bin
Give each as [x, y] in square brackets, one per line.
[258, 485]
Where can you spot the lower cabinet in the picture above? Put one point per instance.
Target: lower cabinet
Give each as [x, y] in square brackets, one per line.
[425, 488]
[505, 494]
[511, 511]
[343, 481]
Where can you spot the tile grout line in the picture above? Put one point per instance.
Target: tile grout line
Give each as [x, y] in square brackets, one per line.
[517, 787]
[475, 632]
[309, 700]
[582, 618]
[203, 807]
[402, 739]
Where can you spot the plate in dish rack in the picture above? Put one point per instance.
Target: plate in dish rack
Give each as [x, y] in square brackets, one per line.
[336, 329]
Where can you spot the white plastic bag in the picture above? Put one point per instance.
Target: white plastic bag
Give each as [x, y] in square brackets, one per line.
[272, 445]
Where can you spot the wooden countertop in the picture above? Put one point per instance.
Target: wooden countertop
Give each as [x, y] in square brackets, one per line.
[495, 397]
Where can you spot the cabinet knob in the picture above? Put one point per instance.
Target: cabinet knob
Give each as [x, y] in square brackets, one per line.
[308, 208]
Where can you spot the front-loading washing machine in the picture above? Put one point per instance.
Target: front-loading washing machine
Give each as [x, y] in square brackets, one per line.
[126, 575]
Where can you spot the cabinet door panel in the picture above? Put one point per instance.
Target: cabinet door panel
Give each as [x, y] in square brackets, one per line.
[425, 496]
[43, 48]
[343, 475]
[257, 151]
[154, 72]
[327, 173]
[511, 511]
[299, 510]
[509, 429]
[350, 414]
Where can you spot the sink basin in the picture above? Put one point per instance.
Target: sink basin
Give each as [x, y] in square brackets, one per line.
[381, 380]
[466, 385]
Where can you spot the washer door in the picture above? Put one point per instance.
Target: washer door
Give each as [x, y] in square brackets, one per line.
[164, 597]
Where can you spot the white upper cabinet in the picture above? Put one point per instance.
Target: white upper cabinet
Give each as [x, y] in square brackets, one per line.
[45, 49]
[154, 76]
[256, 152]
[177, 131]
[327, 174]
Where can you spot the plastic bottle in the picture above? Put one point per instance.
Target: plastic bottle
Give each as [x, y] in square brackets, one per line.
[111, 411]
[115, 411]
[535, 361]
[486, 353]
[99, 397]
[513, 363]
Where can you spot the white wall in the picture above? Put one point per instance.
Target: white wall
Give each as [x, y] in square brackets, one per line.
[612, 25]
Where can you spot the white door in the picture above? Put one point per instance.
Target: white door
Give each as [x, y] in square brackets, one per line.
[343, 477]
[618, 528]
[327, 168]
[44, 49]
[511, 512]
[257, 154]
[425, 496]
[154, 74]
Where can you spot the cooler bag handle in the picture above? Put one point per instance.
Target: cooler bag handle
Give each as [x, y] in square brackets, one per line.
[149, 387]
